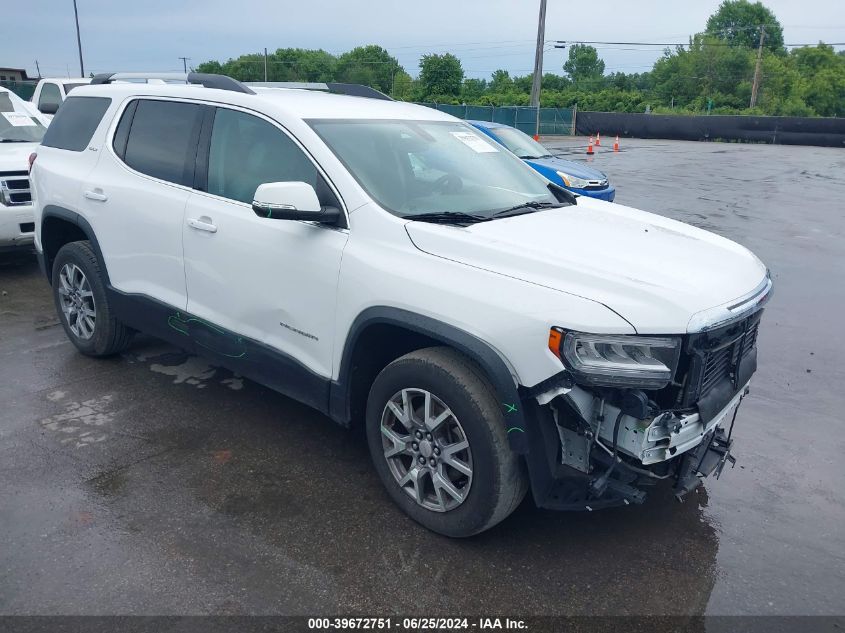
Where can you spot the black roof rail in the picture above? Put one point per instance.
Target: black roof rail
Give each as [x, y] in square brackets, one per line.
[357, 90]
[354, 90]
[220, 82]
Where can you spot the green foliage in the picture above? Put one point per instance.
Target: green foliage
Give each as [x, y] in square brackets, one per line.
[440, 77]
[738, 22]
[825, 92]
[583, 63]
[403, 87]
[702, 69]
[811, 59]
[473, 89]
[285, 64]
[705, 76]
[555, 82]
[369, 65]
[501, 82]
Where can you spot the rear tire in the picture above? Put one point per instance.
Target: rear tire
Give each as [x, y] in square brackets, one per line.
[449, 468]
[79, 292]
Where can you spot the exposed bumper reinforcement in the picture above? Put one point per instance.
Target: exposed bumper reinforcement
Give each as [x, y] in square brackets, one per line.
[706, 459]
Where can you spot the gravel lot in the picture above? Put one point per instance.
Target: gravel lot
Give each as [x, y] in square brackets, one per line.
[154, 483]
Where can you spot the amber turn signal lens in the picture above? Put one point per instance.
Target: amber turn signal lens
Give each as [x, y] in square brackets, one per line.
[555, 337]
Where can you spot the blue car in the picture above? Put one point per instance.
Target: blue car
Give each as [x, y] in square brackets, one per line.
[576, 177]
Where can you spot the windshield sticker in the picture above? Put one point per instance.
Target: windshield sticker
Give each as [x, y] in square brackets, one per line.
[474, 142]
[16, 119]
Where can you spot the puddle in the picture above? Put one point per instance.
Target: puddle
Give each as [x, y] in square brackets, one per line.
[81, 423]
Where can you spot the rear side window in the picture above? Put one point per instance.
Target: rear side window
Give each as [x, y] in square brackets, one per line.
[75, 122]
[162, 140]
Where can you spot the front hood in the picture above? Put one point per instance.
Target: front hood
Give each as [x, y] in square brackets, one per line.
[654, 272]
[568, 167]
[15, 156]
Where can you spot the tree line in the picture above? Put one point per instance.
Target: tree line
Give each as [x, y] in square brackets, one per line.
[713, 74]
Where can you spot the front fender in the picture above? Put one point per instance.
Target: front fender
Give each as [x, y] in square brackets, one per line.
[473, 347]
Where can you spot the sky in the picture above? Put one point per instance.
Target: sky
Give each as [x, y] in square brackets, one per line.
[123, 35]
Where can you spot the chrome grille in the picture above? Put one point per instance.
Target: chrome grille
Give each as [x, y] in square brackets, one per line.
[596, 184]
[14, 189]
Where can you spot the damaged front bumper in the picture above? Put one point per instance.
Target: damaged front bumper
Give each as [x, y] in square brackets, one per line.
[597, 455]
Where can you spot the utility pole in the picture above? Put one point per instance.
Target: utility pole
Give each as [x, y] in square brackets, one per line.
[265, 64]
[756, 85]
[78, 40]
[38, 68]
[538, 63]
[185, 64]
[538, 56]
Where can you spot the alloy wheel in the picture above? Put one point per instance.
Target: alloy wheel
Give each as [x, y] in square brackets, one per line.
[426, 449]
[77, 301]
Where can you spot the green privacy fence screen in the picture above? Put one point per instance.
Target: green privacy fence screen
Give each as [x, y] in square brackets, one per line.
[552, 120]
[23, 89]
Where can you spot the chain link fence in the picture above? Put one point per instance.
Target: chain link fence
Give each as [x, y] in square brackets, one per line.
[552, 120]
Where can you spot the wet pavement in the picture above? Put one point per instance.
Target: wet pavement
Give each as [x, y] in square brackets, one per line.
[153, 483]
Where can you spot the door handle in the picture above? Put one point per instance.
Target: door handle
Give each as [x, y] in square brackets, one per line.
[96, 194]
[202, 224]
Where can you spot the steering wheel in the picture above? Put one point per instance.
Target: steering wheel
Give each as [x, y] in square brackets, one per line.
[448, 183]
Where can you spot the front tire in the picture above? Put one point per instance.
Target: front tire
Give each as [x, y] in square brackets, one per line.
[79, 292]
[437, 437]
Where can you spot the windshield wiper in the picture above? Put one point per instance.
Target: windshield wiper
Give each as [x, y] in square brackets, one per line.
[447, 217]
[15, 140]
[526, 207]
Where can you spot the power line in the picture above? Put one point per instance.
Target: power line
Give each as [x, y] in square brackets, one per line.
[682, 43]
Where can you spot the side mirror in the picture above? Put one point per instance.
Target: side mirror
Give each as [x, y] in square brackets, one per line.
[48, 108]
[291, 201]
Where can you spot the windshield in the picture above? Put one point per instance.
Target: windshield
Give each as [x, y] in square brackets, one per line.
[424, 167]
[18, 126]
[520, 143]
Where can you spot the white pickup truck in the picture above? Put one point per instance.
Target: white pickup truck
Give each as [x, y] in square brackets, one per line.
[21, 130]
[51, 92]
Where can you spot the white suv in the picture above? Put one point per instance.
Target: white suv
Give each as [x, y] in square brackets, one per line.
[388, 265]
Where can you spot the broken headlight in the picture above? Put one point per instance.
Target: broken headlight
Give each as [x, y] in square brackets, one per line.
[643, 362]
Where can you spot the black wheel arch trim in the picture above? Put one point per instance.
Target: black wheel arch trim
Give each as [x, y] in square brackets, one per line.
[53, 211]
[472, 346]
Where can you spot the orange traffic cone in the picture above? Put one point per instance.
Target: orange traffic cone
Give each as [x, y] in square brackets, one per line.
[536, 137]
[590, 146]
[598, 139]
[616, 144]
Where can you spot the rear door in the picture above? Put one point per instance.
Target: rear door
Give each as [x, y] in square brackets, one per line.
[136, 197]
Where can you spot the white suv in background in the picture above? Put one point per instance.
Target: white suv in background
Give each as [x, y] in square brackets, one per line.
[21, 129]
[388, 265]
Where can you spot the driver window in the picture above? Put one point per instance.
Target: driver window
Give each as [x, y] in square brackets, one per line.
[247, 151]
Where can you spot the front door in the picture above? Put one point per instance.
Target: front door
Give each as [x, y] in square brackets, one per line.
[260, 290]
